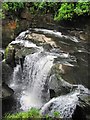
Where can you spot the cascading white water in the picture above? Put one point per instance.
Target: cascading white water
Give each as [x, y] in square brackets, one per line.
[15, 77]
[35, 72]
[65, 105]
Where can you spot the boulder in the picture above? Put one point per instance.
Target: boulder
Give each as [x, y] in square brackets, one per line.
[59, 86]
[7, 92]
[6, 72]
[17, 50]
[72, 71]
[56, 83]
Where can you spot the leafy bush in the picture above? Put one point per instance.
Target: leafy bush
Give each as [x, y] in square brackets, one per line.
[56, 114]
[69, 10]
[60, 11]
[32, 114]
[82, 7]
[65, 12]
[11, 8]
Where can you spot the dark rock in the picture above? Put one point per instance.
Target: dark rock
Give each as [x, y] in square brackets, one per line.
[73, 72]
[59, 86]
[24, 51]
[79, 114]
[22, 61]
[25, 14]
[1, 56]
[57, 83]
[6, 72]
[47, 47]
[16, 51]
[52, 93]
[8, 31]
[7, 92]
[85, 103]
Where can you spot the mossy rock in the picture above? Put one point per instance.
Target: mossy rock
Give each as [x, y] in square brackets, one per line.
[10, 55]
[24, 51]
[14, 52]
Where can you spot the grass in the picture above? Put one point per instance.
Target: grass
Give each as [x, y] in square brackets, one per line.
[32, 114]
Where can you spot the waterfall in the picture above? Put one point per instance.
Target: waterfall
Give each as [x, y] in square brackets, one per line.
[31, 84]
[15, 77]
[35, 77]
[31, 79]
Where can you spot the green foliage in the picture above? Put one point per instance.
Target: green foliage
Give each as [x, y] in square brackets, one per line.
[69, 10]
[32, 114]
[65, 11]
[45, 7]
[82, 8]
[60, 11]
[56, 114]
[6, 52]
[1, 14]
[12, 6]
